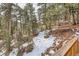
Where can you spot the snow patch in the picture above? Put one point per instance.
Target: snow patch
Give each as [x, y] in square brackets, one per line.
[1, 41]
[51, 52]
[77, 34]
[2, 51]
[25, 45]
[14, 52]
[40, 44]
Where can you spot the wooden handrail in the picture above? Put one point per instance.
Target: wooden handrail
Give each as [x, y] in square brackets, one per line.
[64, 49]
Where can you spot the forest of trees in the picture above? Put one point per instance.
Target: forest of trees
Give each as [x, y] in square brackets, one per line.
[22, 24]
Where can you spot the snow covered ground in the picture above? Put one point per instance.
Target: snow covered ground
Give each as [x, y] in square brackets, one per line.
[40, 44]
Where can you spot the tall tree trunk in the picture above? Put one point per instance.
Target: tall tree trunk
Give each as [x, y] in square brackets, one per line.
[78, 17]
[74, 22]
[8, 26]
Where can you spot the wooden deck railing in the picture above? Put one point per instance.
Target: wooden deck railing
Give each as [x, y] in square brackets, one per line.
[69, 49]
